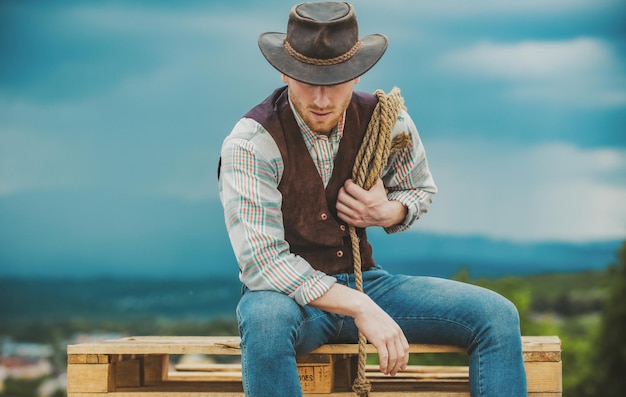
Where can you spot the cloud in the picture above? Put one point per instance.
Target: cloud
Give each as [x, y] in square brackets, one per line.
[582, 71]
[79, 50]
[145, 88]
[531, 60]
[34, 161]
[552, 191]
[463, 8]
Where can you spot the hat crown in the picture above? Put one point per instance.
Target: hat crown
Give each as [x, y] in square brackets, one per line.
[322, 30]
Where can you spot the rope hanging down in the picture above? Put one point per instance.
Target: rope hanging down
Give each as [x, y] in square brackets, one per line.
[368, 168]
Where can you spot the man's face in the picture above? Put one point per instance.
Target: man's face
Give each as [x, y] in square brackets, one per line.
[321, 107]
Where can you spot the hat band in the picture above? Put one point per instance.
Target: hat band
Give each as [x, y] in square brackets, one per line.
[322, 62]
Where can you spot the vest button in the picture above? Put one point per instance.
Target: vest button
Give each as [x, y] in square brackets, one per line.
[339, 253]
[342, 227]
[324, 216]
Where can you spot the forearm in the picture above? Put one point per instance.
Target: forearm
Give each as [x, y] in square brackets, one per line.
[343, 300]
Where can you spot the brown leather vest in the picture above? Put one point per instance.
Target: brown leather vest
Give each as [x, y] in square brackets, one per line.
[311, 225]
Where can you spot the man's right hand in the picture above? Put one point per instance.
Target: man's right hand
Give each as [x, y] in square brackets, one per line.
[375, 324]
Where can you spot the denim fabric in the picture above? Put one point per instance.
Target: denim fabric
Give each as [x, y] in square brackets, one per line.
[274, 329]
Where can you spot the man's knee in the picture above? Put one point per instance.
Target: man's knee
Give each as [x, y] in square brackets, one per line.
[508, 311]
[504, 317]
[260, 310]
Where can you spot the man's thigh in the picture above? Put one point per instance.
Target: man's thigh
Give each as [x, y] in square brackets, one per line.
[437, 310]
[270, 315]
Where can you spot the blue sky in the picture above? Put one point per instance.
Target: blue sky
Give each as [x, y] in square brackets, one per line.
[112, 114]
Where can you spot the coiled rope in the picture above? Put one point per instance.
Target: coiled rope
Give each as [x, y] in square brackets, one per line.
[368, 168]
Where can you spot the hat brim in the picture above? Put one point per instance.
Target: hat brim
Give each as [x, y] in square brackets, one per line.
[372, 49]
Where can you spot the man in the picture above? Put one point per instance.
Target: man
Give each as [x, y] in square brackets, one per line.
[285, 184]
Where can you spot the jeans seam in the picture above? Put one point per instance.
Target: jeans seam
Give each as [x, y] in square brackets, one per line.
[474, 333]
[481, 381]
[244, 366]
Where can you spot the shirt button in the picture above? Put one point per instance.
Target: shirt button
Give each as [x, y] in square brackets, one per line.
[339, 253]
[324, 216]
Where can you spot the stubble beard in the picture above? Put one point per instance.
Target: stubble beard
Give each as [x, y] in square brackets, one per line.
[324, 127]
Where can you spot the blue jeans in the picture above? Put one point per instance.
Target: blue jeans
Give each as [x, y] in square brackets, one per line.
[274, 329]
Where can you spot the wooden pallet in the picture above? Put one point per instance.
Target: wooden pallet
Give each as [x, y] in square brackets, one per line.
[140, 366]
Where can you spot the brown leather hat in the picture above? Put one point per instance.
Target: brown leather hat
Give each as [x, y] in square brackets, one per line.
[322, 45]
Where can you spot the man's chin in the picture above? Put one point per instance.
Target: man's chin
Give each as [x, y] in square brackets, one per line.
[322, 128]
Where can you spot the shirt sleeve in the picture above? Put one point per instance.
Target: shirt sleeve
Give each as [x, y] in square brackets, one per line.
[407, 176]
[251, 169]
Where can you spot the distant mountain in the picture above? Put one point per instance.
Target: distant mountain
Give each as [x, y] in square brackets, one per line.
[439, 255]
[56, 234]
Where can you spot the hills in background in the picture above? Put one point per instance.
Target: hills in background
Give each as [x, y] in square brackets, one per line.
[63, 235]
[438, 255]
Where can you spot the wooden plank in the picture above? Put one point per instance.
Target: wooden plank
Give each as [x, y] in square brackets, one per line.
[217, 345]
[316, 378]
[229, 345]
[128, 373]
[544, 377]
[155, 368]
[213, 376]
[87, 359]
[89, 378]
[423, 373]
[208, 367]
[353, 349]
[541, 348]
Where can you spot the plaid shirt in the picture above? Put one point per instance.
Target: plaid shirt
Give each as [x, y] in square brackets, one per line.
[251, 171]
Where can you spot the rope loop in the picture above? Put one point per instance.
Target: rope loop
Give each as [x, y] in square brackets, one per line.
[368, 168]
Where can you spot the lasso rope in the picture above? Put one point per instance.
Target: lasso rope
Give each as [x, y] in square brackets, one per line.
[368, 168]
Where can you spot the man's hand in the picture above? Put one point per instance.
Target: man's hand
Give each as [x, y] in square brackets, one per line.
[362, 208]
[377, 326]
[388, 339]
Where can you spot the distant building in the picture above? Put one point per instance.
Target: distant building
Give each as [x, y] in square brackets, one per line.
[9, 348]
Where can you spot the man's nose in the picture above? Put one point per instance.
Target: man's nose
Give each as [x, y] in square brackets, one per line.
[320, 97]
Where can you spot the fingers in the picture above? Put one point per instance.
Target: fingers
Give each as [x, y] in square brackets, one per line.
[383, 359]
[385, 334]
[349, 209]
[394, 356]
[398, 360]
[402, 351]
[359, 207]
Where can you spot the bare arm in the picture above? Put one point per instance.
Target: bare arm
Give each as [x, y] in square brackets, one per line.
[377, 326]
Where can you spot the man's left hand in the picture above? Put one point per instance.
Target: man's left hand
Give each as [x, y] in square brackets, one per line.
[362, 208]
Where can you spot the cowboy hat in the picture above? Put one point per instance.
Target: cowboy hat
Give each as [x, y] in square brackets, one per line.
[322, 45]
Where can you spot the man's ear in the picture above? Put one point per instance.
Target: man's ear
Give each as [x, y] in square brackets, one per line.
[284, 78]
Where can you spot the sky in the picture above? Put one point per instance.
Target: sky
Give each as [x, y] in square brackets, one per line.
[112, 115]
